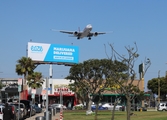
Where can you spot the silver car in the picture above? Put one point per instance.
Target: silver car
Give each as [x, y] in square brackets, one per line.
[58, 106]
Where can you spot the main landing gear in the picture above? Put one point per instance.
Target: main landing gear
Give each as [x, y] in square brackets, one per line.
[89, 38]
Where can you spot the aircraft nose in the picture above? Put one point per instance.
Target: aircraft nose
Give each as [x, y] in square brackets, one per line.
[89, 26]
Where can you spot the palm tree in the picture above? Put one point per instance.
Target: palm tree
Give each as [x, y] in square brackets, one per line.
[25, 67]
[35, 80]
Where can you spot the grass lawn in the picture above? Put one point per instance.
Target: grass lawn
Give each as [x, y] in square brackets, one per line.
[106, 115]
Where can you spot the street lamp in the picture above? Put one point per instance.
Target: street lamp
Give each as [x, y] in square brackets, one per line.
[159, 86]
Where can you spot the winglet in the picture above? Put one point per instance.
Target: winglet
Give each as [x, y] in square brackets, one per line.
[55, 30]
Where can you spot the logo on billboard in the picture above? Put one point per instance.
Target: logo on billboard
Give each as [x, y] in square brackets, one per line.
[36, 48]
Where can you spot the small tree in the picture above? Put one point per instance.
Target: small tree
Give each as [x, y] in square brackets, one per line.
[126, 82]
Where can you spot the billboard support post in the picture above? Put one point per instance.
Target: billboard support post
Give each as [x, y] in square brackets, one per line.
[47, 114]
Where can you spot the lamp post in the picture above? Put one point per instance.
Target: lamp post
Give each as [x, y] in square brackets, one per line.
[159, 86]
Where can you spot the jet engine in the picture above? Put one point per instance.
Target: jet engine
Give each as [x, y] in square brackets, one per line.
[95, 34]
[75, 33]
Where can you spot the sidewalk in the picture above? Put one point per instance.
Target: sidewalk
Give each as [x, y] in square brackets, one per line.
[56, 117]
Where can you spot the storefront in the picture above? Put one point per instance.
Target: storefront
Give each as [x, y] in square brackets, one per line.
[10, 93]
[58, 92]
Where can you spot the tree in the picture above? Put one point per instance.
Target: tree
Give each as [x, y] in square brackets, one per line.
[93, 77]
[25, 66]
[35, 80]
[126, 83]
[80, 93]
[153, 86]
[1, 85]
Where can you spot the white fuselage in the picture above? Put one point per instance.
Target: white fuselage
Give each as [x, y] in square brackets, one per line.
[86, 31]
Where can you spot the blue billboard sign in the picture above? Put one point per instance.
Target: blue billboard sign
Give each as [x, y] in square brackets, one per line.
[53, 53]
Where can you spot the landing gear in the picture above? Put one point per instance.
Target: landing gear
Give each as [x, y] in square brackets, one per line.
[78, 38]
[89, 38]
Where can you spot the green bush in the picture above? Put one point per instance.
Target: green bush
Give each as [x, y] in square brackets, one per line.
[78, 108]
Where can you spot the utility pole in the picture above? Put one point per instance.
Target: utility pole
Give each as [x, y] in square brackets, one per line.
[159, 86]
[141, 73]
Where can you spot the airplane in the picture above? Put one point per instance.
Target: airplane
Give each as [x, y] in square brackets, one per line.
[85, 33]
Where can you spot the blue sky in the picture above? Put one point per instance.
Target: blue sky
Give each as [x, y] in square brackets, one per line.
[143, 22]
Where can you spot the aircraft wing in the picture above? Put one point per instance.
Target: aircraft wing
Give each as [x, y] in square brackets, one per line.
[95, 34]
[75, 33]
[100, 33]
[68, 32]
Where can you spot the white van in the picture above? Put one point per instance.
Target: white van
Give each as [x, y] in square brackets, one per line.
[162, 107]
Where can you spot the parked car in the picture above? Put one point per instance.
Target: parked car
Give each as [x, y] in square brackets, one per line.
[162, 107]
[110, 106]
[22, 108]
[58, 106]
[107, 105]
[19, 114]
[37, 109]
[78, 107]
[13, 100]
[33, 111]
[28, 107]
[93, 107]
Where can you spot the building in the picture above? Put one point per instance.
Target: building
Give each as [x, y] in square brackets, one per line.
[9, 89]
[58, 92]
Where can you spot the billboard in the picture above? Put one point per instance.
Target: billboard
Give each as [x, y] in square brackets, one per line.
[53, 53]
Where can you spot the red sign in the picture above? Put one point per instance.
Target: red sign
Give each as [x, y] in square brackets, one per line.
[20, 80]
[64, 93]
[43, 92]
